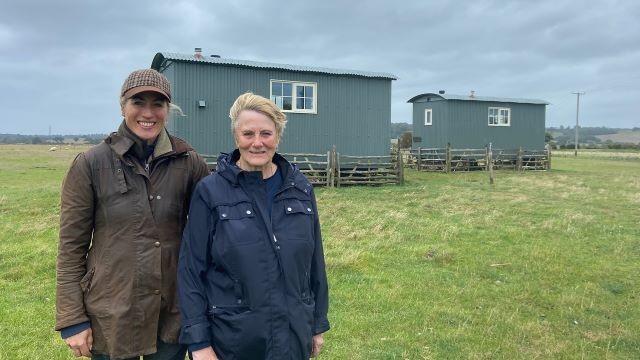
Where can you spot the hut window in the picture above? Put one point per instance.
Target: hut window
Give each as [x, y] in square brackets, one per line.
[499, 116]
[292, 96]
[428, 119]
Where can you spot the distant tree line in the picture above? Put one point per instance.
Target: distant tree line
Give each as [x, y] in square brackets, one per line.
[51, 139]
[564, 137]
[397, 129]
[561, 137]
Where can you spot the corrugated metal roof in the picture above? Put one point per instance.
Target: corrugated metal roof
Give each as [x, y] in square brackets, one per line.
[161, 57]
[479, 98]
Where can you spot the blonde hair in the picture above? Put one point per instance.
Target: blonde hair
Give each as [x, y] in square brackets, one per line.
[251, 101]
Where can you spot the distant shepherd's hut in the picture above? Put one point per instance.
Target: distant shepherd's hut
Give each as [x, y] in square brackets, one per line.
[475, 121]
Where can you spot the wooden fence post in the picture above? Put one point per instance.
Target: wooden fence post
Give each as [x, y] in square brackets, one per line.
[336, 163]
[548, 156]
[400, 168]
[486, 157]
[448, 158]
[329, 169]
[490, 163]
[419, 160]
[519, 160]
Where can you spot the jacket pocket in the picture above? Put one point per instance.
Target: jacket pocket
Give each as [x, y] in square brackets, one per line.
[307, 320]
[299, 218]
[228, 312]
[96, 290]
[85, 283]
[237, 211]
[305, 288]
[295, 206]
[236, 224]
[237, 332]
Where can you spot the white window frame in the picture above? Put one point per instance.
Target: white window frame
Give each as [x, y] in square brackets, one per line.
[428, 117]
[498, 119]
[294, 96]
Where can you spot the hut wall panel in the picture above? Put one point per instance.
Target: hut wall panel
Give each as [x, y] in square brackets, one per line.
[353, 113]
[435, 135]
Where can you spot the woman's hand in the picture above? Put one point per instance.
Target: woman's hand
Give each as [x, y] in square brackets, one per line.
[204, 354]
[318, 341]
[81, 343]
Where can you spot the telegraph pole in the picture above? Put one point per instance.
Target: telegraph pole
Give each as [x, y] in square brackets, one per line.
[577, 115]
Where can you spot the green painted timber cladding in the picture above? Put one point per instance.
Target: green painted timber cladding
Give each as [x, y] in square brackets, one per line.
[354, 113]
[464, 124]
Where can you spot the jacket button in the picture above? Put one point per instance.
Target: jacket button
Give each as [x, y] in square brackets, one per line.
[158, 197]
[248, 212]
[150, 197]
[157, 292]
[224, 215]
[278, 247]
[156, 244]
[309, 209]
[239, 301]
[288, 209]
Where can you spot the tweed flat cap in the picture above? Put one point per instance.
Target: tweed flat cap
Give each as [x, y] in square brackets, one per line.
[146, 80]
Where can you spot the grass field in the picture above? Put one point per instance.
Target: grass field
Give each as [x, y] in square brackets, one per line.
[540, 265]
[623, 136]
[611, 154]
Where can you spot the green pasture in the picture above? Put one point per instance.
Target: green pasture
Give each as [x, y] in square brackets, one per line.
[540, 265]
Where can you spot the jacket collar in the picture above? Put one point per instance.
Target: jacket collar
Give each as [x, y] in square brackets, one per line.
[163, 144]
[227, 168]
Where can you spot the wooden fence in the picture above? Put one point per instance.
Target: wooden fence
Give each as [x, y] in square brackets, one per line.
[316, 167]
[451, 160]
[334, 169]
[467, 159]
[367, 170]
[211, 161]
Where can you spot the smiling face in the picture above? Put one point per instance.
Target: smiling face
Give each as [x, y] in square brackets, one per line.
[145, 114]
[256, 138]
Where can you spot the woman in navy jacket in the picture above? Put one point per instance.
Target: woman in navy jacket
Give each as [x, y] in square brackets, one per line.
[252, 280]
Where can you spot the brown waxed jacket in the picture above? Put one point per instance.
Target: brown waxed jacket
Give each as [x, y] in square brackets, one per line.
[120, 232]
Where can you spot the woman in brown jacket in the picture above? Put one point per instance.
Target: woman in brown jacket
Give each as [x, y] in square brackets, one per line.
[124, 205]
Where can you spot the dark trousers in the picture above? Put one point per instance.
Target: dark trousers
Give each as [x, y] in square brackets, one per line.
[165, 352]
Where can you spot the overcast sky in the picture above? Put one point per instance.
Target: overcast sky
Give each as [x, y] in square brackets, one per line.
[62, 62]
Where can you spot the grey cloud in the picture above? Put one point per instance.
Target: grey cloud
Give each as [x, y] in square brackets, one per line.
[63, 62]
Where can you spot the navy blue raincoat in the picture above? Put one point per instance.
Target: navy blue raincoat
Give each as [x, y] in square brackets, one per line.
[253, 285]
